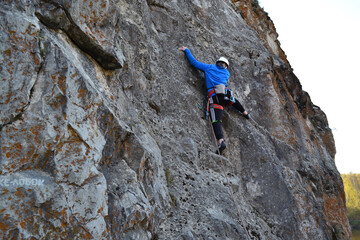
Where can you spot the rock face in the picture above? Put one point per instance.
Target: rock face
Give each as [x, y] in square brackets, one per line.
[103, 134]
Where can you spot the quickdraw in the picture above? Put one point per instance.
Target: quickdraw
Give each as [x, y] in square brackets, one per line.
[211, 108]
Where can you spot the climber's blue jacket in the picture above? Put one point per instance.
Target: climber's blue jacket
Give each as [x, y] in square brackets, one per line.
[214, 74]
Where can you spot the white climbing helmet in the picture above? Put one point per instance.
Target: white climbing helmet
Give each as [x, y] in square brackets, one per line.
[222, 59]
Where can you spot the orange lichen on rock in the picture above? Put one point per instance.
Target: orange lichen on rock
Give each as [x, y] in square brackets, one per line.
[332, 205]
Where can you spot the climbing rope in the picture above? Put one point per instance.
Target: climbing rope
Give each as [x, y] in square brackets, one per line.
[228, 182]
[267, 133]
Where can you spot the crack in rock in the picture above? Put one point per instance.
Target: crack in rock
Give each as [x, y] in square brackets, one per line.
[17, 117]
[58, 18]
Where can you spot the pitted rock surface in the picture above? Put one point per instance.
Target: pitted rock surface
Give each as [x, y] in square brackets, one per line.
[104, 136]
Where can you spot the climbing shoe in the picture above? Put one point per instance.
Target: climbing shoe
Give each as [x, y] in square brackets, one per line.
[247, 116]
[222, 147]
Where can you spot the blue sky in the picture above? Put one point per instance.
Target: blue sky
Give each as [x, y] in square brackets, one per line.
[321, 39]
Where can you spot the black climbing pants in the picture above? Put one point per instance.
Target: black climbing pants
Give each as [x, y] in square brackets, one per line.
[217, 122]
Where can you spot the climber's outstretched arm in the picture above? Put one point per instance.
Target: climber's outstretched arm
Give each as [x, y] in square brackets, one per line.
[193, 61]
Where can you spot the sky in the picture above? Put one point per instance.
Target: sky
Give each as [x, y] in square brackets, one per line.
[321, 39]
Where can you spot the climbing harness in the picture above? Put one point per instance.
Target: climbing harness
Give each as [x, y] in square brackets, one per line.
[218, 89]
[211, 106]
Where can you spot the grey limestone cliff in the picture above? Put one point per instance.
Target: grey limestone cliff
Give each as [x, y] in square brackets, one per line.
[103, 134]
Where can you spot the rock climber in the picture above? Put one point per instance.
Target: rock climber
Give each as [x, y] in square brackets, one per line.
[216, 77]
